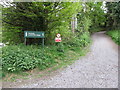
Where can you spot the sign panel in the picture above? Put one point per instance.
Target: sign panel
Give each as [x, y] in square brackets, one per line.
[58, 38]
[34, 34]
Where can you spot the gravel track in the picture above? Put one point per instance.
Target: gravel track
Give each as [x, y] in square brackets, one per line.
[98, 69]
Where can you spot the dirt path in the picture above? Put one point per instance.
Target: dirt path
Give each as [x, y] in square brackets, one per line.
[98, 69]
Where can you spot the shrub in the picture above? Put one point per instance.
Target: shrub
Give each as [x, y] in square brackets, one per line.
[79, 40]
[114, 35]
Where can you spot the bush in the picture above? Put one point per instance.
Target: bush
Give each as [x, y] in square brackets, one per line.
[114, 35]
[79, 40]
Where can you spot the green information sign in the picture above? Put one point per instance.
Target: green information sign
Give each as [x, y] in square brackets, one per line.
[34, 34]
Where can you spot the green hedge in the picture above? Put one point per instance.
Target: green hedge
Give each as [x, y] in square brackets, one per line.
[114, 34]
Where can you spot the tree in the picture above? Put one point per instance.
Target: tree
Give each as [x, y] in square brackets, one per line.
[113, 15]
[51, 17]
[91, 17]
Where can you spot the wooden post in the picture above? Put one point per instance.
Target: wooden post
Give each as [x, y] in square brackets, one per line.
[43, 42]
[25, 41]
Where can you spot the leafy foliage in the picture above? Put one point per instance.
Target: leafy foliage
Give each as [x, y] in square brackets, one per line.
[16, 58]
[91, 17]
[113, 15]
[51, 17]
[114, 34]
[79, 41]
